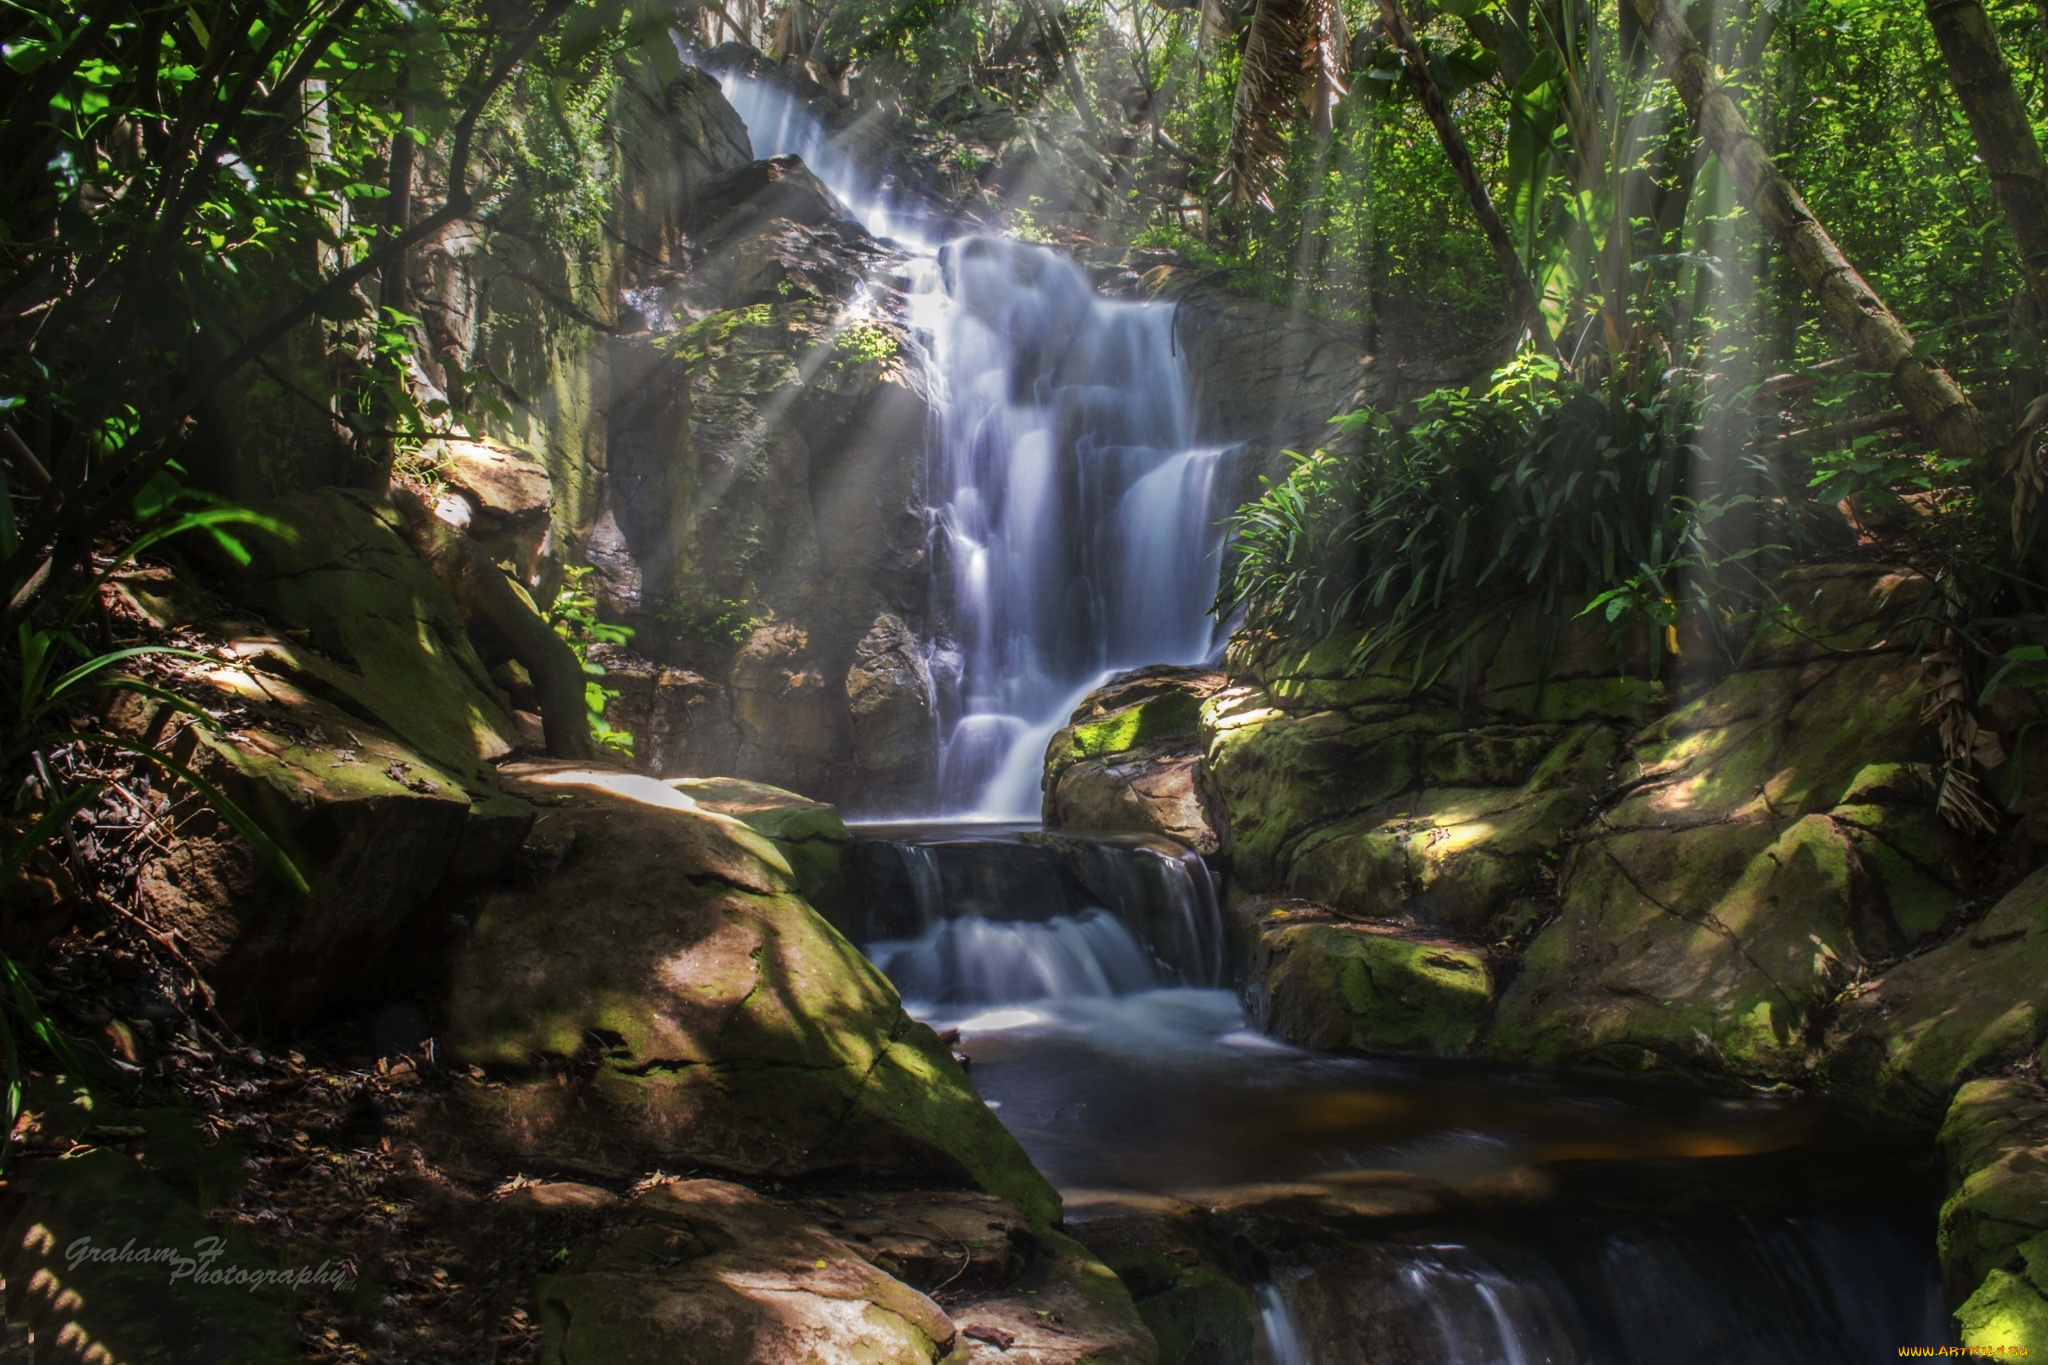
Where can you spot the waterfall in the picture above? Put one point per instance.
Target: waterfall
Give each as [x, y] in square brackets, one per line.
[780, 124]
[1002, 919]
[1075, 525]
[1076, 519]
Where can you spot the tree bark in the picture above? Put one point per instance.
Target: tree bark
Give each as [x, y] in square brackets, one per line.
[1924, 388]
[1521, 293]
[486, 597]
[2005, 136]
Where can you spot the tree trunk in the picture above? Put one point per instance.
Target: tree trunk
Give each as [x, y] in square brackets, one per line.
[486, 597]
[1521, 294]
[2005, 137]
[1937, 403]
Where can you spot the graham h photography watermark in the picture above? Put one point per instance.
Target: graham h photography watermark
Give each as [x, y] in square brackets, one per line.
[202, 1264]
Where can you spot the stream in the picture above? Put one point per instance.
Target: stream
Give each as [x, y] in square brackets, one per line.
[1384, 1211]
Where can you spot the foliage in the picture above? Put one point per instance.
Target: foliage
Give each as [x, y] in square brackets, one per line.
[1536, 490]
[711, 621]
[574, 614]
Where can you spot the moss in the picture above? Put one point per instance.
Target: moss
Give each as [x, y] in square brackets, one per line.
[1977, 1001]
[2007, 1315]
[1339, 987]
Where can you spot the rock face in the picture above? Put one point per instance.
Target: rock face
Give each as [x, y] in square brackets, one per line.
[500, 497]
[1774, 837]
[380, 830]
[1130, 760]
[706, 1272]
[344, 581]
[1384, 802]
[697, 1013]
[1899, 1046]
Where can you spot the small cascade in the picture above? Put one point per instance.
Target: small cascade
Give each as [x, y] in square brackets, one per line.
[960, 917]
[1820, 1288]
[780, 124]
[1078, 525]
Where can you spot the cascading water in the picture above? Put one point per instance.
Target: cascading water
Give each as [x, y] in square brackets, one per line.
[1077, 517]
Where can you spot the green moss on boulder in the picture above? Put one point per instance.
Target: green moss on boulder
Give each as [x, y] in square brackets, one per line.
[665, 997]
[1353, 988]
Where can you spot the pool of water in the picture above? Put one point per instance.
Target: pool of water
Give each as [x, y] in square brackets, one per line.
[1386, 1210]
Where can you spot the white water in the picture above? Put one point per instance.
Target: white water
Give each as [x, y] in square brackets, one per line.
[1077, 520]
[1075, 525]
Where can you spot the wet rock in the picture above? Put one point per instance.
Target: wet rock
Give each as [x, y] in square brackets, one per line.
[1325, 983]
[1198, 1311]
[889, 698]
[1900, 1045]
[1130, 760]
[662, 996]
[155, 1311]
[1994, 1224]
[704, 1271]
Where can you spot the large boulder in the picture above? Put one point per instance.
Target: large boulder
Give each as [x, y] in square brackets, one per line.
[1393, 797]
[1901, 1044]
[1775, 838]
[702, 1272]
[379, 830]
[1326, 982]
[660, 995]
[1129, 760]
[343, 580]
[1994, 1224]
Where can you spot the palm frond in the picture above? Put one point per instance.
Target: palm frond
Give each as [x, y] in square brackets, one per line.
[1295, 52]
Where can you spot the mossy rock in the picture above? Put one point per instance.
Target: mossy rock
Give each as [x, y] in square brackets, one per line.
[1198, 1311]
[702, 1272]
[1712, 948]
[376, 828]
[348, 585]
[1994, 1143]
[665, 997]
[2006, 1316]
[1976, 1003]
[1350, 988]
[810, 834]
[192, 1298]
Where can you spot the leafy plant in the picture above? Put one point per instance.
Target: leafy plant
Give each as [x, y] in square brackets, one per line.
[574, 614]
[1537, 491]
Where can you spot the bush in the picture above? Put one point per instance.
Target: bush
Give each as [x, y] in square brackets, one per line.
[1537, 490]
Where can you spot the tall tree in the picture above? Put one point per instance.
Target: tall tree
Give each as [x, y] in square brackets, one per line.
[1521, 293]
[1936, 402]
[2005, 136]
